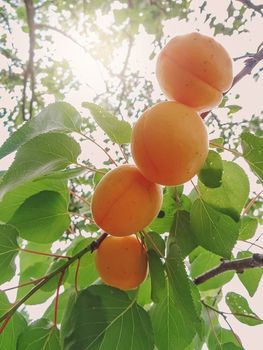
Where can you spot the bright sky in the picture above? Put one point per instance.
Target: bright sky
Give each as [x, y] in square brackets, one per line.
[88, 73]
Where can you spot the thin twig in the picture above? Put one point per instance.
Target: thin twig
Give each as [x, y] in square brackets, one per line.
[91, 169]
[212, 326]
[29, 70]
[24, 284]
[80, 198]
[226, 320]
[252, 6]
[230, 313]
[44, 254]
[100, 147]
[232, 330]
[250, 64]
[124, 154]
[254, 244]
[41, 26]
[122, 73]
[90, 248]
[253, 200]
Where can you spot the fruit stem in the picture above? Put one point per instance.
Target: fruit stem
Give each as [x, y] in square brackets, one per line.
[57, 297]
[4, 324]
[77, 275]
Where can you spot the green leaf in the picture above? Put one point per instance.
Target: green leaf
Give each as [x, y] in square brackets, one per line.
[213, 230]
[184, 233]
[119, 131]
[170, 325]
[211, 173]
[42, 218]
[15, 326]
[57, 117]
[173, 199]
[205, 261]
[156, 268]
[40, 156]
[216, 143]
[14, 199]
[232, 195]
[248, 228]
[163, 222]
[144, 293]
[66, 174]
[104, 318]
[250, 278]
[239, 307]
[180, 284]
[253, 152]
[233, 109]
[87, 271]
[155, 242]
[8, 251]
[39, 335]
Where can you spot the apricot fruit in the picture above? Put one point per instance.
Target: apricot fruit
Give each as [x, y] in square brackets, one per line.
[124, 201]
[169, 143]
[122, 262]
[195, 70]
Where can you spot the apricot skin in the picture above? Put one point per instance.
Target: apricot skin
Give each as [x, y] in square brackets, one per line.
[169, 143]
[122, 262]
[195, 70]
[124, 201]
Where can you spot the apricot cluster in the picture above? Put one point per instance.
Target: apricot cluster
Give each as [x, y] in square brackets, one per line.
[169, 146]
[123, 203]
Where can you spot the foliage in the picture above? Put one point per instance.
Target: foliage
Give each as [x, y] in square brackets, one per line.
[47, 234]
[211, 221]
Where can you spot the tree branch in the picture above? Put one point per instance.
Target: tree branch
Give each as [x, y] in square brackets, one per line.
[29, 70]
[236, 265]
[42, 26]
[250, 64]
[249, 4]
[90, 248]
[122, 73]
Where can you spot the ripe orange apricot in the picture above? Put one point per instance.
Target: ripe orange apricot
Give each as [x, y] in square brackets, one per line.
[124, 201]
[122, 262]
[194, 69]
[169, 143]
